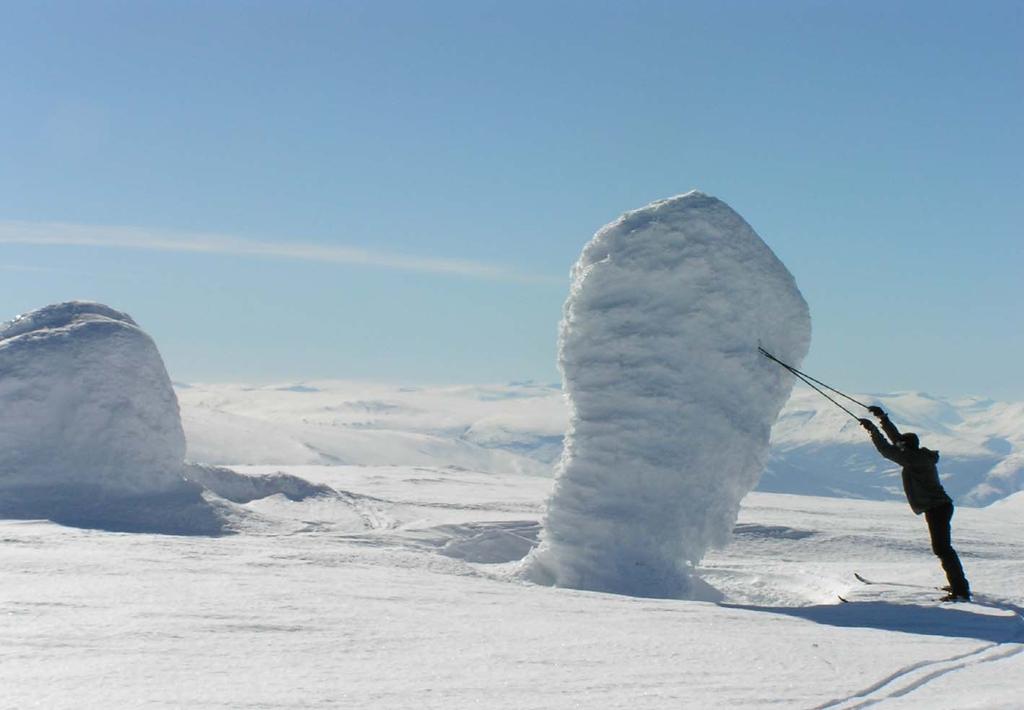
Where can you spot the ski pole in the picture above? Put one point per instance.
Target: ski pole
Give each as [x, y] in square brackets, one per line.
[809, 381]
[808, 377]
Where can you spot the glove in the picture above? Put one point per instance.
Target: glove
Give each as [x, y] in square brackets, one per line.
[878, 412]
[867, 424]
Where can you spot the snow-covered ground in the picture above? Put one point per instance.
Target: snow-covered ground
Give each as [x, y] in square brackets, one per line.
[397, 590]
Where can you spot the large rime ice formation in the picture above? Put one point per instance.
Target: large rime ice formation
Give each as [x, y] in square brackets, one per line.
[90, 432]
[671, 405]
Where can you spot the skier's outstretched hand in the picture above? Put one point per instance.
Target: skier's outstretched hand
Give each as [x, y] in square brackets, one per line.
[877, 411]
[867, 424]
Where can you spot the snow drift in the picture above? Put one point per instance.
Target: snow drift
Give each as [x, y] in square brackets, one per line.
[671, 406]
[89, 427]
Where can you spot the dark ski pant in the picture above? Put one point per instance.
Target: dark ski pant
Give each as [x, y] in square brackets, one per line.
[938, 519]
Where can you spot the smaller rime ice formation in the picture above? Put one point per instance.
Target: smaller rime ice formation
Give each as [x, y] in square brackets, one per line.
[671, 406]
[90, 432]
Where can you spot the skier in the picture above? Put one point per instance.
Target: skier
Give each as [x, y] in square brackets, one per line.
[924, 493]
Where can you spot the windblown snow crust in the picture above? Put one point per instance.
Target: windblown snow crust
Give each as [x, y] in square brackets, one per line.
[671, 406]
[89, 427]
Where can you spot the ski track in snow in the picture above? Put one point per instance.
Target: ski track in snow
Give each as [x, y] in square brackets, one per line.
[908, 679]
[914, 676]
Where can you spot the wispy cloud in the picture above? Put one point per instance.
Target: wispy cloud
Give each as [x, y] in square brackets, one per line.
[23, 268]
[119, 237]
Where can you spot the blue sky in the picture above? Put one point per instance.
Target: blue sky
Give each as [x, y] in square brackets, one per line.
[396, 190]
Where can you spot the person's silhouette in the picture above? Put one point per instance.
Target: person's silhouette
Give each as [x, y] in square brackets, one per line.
[924, 493]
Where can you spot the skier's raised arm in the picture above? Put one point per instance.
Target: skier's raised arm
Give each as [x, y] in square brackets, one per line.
[890, 429]
[889, 451]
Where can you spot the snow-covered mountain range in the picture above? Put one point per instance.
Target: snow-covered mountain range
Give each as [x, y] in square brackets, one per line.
[816, 448]
[819, 449]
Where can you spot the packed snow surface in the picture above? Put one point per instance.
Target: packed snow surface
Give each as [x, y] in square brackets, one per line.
[671, 405]
[414, 606]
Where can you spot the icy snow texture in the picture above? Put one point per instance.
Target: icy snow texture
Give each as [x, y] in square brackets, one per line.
[89, 427]
[671, 406]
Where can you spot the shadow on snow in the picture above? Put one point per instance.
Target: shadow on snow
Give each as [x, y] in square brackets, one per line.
[950, 620]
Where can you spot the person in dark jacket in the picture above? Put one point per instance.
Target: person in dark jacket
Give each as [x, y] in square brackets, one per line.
[924, 493]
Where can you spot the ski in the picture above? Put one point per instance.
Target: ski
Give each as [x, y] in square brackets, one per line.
[870, 582]
[865, 580]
